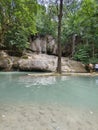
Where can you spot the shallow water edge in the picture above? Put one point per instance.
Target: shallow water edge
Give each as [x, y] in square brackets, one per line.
[46, 117]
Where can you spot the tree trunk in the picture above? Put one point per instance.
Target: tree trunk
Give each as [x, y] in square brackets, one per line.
[2, 34]
[73, 44]
[87, 43]
[93, 50]
[59, 37]
[1, 39]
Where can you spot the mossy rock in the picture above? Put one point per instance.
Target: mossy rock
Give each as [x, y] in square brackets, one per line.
[25, 57]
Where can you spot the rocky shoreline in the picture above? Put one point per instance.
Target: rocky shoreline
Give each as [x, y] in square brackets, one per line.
[38, 62]
[63, 74]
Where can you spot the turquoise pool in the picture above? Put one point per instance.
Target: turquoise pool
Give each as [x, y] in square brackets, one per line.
[68, 90]
[48, 103]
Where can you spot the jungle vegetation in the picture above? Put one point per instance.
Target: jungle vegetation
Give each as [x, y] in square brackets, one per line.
[79, 25]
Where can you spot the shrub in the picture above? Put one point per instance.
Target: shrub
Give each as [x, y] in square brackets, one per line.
[82, 53]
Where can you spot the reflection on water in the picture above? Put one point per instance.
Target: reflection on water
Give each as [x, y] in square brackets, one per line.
[96, 80]
[29, 81]
[75, 91]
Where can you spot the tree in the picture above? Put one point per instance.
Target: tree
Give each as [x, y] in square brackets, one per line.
[59, 36]
[71, 24]
[88, 24]
[16, 17]
[81, 20]
[89, 10]
[55, 20]
[45, 22]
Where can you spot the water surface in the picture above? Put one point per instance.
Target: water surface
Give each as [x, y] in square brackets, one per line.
[19, 87]
[48, 103]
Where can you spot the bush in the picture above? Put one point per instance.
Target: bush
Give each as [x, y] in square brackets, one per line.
[82, 53]
[16, 40]
[93, 60]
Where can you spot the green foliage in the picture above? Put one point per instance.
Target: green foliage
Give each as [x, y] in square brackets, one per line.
[20, 18]
[45, 21]
[82, 54]
[19, 15]
[16, 39]
[82, 19]
[93, 60]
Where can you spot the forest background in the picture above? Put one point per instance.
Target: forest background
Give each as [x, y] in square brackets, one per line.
[79, 29]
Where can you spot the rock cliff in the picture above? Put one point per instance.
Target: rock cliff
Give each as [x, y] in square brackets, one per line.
[46, 44]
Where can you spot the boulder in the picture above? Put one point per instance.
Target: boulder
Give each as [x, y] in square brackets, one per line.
[5, 61]
[43, 62]
[38, 62]
[72, 66]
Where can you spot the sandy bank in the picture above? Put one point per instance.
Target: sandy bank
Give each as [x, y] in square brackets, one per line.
[47, 117]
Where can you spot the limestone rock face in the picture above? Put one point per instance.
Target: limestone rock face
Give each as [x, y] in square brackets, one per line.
[5, 61]
[38, 62]
[47, 63]
[15, 65]
[51, 45]
[3, 54]
[72, 66]
[45, 44]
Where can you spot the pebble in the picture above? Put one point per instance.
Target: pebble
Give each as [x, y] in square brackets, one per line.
[3, 116]
[91, 112]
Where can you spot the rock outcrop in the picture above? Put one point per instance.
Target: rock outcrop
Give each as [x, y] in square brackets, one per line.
[38, 62]
[45, 44]
[5, 61]
[45, 62]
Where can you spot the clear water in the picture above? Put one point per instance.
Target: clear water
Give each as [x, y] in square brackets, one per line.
[16, 87]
